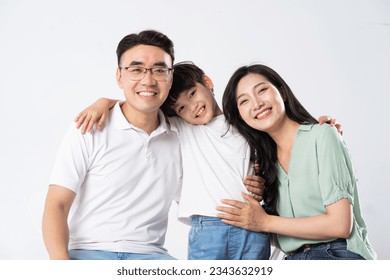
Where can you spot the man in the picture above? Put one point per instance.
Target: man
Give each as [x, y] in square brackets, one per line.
[122, 179]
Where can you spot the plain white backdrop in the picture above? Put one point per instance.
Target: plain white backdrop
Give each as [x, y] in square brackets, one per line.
[56, 57]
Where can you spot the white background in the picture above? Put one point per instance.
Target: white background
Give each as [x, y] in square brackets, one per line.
[56, 57]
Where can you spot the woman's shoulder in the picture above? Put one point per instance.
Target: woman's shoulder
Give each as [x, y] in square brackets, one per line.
[319, 133]
[322, 129]
[326, 134]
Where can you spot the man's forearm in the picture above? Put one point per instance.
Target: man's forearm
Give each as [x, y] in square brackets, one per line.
[55, 232]
[56, 235]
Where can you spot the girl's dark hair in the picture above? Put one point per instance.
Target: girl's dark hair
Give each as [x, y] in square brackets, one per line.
[146, 37]
[185, 76]
[263, 147]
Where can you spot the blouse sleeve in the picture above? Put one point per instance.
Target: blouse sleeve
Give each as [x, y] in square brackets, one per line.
[336, 175]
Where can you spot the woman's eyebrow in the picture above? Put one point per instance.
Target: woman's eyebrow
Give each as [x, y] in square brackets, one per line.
[255, 87]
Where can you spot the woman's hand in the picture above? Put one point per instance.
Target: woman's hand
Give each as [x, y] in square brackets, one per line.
[95, 113]
[249, 215]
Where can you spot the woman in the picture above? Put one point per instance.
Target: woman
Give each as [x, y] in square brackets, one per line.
[311, 201]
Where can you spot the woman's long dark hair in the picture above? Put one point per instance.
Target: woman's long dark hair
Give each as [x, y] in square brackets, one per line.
[263, 147]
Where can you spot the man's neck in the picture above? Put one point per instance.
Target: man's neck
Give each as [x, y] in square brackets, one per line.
[147, 121]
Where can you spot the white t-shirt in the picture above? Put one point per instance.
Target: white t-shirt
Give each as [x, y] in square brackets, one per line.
[215, 161]
[125, 182]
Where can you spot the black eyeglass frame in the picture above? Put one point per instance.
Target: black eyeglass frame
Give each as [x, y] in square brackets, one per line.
[145, 70]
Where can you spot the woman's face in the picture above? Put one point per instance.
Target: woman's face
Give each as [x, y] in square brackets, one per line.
[259, 103]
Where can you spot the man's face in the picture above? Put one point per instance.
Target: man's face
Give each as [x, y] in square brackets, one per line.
[145, 95]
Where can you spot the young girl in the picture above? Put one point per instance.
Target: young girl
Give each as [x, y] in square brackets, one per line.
[311, 201]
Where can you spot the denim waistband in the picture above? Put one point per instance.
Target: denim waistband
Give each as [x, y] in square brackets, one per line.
[197, 220]
[306, 247]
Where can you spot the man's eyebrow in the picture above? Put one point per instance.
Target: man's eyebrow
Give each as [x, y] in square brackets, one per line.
[135, 63]
[138, 63]
[160, 63]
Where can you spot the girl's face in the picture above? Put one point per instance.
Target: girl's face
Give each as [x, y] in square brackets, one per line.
[259, 103]
[197, 105]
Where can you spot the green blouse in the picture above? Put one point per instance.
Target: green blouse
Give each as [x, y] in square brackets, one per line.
[320, 173]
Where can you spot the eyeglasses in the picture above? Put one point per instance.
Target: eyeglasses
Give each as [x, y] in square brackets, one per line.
[137, 73]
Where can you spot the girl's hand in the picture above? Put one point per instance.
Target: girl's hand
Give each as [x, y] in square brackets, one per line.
[95, 113]
[332, 122]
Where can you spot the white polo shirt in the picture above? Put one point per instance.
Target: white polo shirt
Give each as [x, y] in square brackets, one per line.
[125, 182]
[216, 159]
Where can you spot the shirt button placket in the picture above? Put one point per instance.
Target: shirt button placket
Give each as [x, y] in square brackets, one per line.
[148, 151]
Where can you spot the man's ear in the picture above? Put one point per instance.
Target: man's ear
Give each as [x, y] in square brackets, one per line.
[208, 82]
[171, 79]
[119, 78]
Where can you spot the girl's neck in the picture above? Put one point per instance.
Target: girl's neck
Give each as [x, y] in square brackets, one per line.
[217, 111]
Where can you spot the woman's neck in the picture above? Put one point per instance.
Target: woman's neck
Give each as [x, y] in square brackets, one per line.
[284, 138]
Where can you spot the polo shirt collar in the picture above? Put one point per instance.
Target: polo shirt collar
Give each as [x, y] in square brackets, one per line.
[120, 122]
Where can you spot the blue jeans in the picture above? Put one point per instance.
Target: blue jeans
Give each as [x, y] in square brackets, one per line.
[106, 255]
[334, 250]
[211, 239]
